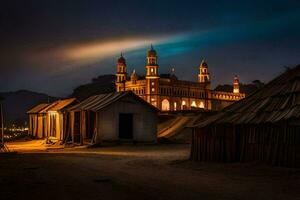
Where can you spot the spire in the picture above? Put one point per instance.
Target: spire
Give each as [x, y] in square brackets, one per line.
[134, 76]
[203, 63]
[151, 47]
[122, 59]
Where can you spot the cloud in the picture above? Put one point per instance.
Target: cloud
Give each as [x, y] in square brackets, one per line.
[72, 56]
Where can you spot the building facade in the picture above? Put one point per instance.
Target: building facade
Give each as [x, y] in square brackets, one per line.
[168, 93]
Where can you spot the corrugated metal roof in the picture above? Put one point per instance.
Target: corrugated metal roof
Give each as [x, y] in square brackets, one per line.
[278, 100]
[38, 108]
[58, 105]
[98, 102]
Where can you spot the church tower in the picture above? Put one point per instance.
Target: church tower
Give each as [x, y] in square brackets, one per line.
[121, 74]
[152, 78]
[236, 85]
[203, 76]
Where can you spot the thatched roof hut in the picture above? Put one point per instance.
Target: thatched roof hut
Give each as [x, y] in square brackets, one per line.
[264, 126]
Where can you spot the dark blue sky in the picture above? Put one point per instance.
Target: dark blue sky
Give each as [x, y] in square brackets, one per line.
[53, 46]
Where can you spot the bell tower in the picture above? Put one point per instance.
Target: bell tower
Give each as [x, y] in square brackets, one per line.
[152, 66]
[236, 85]
[152, 78]
[203, 76]
[121, 74]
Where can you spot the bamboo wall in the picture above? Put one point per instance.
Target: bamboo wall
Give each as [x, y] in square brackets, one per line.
[272, 144]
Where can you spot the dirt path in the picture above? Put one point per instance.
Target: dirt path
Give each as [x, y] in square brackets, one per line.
[139, 172]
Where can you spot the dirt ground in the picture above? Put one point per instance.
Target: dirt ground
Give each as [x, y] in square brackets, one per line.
[138, 172]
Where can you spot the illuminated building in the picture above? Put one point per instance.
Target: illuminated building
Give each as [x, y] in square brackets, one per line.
[168, 93]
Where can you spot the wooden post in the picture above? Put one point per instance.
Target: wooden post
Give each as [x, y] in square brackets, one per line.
[82, 126]
[72, 126]
[95, 131]
[2, 125]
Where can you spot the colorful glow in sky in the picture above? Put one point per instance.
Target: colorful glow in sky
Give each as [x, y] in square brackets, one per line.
[53, 46]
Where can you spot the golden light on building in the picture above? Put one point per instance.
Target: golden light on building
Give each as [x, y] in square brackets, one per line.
[167, 92]
[236, 87]
[165, 105]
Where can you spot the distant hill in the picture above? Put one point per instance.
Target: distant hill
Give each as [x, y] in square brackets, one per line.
[16, 104]
[244, 88]
[101, 84]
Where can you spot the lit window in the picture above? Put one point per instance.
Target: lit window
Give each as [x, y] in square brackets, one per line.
[152, 70]
[175, 106]
[194, 104]
[153, 89]
[165, 105]
[152, 83]
[201, 105]
[183, 105]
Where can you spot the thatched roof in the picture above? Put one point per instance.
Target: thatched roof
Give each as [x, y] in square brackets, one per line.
[277, 101]
[98, 102]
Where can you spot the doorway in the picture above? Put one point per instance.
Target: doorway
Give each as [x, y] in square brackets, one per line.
[126, 126]
[77, 124]
[90, 124]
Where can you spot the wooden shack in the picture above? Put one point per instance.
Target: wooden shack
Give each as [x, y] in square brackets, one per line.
[118, 116]
[47, 120]
[55, 114]
[37, 123]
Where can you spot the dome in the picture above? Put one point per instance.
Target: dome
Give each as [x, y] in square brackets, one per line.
[236, 79]
[151, 52]
[122, 59]
[203, 64]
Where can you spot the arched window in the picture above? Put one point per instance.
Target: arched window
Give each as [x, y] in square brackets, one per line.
[201, 104]
[194, 104]
[183, 105]
[165, 105]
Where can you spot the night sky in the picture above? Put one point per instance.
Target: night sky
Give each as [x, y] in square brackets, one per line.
[52, 46]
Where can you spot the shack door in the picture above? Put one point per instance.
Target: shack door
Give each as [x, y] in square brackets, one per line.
[125, 126]
[77, 127]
